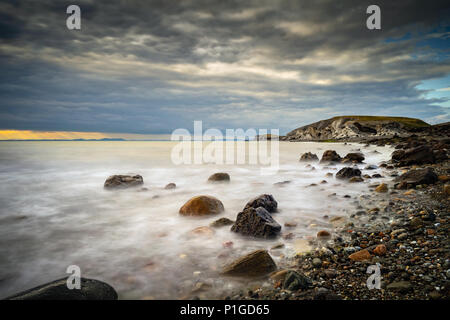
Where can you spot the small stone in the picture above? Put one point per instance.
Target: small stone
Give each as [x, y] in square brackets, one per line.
[294, 281]
[222, 222]
[360, 255]
[170, 186]
[380, 250]
[401, 286]
[323, 234]
[317, 262]
[382, 188]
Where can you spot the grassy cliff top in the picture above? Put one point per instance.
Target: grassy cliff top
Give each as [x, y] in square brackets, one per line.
[409, 122]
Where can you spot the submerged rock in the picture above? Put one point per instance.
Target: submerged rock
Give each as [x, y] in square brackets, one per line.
[265, 200]
[255, 264]
[123, 181]
[201, 206]
[57, 290]
[222, 222]
[308, 156]
[257, 223]
[330, 156]
[347, 173]
[170, 186]
[219, 177]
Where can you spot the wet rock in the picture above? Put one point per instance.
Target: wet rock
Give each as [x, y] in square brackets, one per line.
[401, 286]
[123, 181]
[355, 179]
[380, 250]
[330, 156]
[416, 177]
[255, 264]
[265, 200]
[282, 183]
[257, 223]
[295, 281]
[219, 177]
[308, 156]
[316, 262]
[170, 186]
[222, 222]
[202, 231]
[279, 275]
[323, 235]
[353, 157]
[57, 290]
[201, 206]
[360, 255]
[418, 155]
[371, 167]
[382, 188]
[347, 173]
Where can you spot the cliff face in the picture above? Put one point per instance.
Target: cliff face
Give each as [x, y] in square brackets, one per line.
[356, 127]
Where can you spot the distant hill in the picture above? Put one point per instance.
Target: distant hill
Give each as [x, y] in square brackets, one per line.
[356, 127]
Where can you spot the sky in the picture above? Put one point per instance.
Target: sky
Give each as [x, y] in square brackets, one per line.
[149, 67]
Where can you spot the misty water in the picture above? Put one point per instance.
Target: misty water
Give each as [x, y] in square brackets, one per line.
[55, 213]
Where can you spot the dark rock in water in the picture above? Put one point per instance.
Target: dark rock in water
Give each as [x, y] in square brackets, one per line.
[347, 173]
[354, 157]
[123, 181]
[330, 156]
[257, 223]
[222, 222]
[219, 177]
[418, 155]
[308, 156]
[255, 264]
[371, 167]
[57, 290]
[282, 183]
[415, 177]
[295, 281]
[356, 179]
[265, 200]
[170, 186]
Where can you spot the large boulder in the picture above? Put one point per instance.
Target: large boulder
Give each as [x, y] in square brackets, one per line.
[123, 181]
[57, 290]
[330, 156]
[255, 264]
[347, 173]
[257, 223]
[219, 177]
[266, 201]
[354, 157]
[308, 156]
[415, 177]
[202, 206]
[418, 155]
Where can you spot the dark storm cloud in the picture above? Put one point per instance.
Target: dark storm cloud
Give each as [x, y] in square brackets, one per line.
[152, 66]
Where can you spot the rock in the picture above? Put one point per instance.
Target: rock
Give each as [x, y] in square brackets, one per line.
[401, 286]
[57, 290]
[419, 155]
[323, 234]
[282, 183]
[360, 255]
[415, 223]
[202, 231]
[279, 275]
[257, 223]
[265, 200]
[290, 224]
[295, 281]
[330, 156]
[371, 167]
[255, 264]
[201, 206]
[382, 188]
[219, 177]
[308, 156]
[222, 222]
[402, 236]
[355, 179]
[123, 181]
[416, 177]
[170, 186]
[380, 250]
[347, 173]
[317, 263]
[447, 189]
[354, 157]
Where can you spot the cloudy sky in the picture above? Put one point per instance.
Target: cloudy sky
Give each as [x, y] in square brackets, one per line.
[150, 67]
